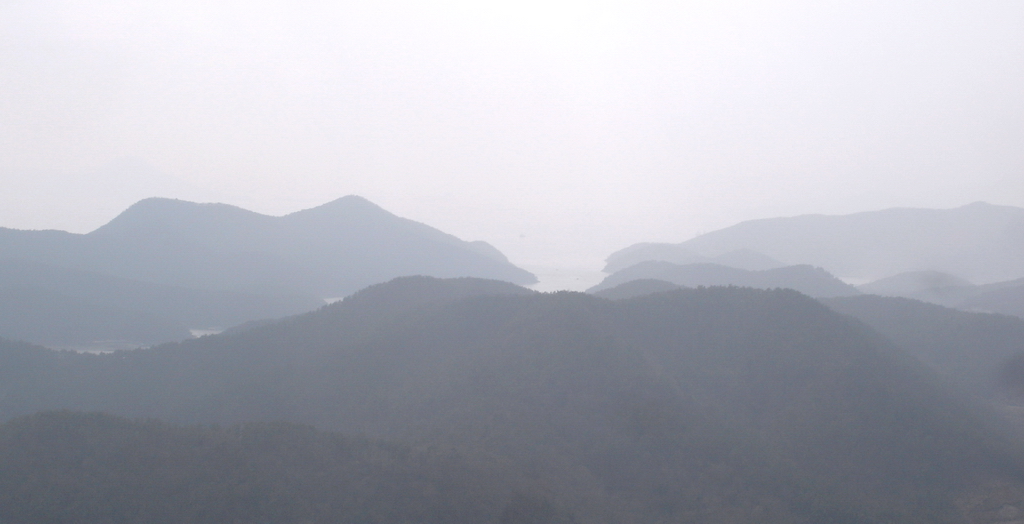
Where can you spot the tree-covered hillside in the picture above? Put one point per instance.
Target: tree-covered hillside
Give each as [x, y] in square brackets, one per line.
[705, 405]
[969, 349]
[75, 467]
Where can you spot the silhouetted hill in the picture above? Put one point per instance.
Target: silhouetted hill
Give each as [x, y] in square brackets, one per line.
[709, 405]
[979, 242]
[328, 251]
[62, 307]
[806, 279]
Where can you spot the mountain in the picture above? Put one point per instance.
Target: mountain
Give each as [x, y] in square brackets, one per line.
[973, 350]
[928, 286]
[805, 279]
[62, 307]
[944, 289]
[713, 405]
[636, 288]
[979, 242]
[328, 251]
[979, 352]
[1003, 297]
[739, 259]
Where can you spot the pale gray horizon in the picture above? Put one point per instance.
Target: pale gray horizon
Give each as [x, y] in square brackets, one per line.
[558, 131]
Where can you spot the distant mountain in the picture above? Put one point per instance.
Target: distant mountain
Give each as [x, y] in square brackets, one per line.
[636, 288]
[1003, 297]
[811, 281]
[328, 251]
[940, 288]
[929, 286]
[739, 259]
[979, 242]
[71, 308]
[706, 405]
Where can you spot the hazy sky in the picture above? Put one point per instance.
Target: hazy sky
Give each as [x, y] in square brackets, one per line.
[559, 131]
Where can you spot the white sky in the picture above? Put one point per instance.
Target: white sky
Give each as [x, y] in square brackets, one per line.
[559, 131]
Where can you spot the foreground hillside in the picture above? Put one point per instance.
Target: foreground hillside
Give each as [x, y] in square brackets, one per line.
[73, 467]
[708, 405]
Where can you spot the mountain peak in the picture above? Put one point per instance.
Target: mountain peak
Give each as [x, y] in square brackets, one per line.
[349, 201]
[159, 213]
[329, 250]
[346, 205]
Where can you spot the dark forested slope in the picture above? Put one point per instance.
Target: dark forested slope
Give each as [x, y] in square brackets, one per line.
[72, 467]
[710, 405]
[980, 352]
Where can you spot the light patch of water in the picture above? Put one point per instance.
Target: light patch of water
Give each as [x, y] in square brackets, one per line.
[856, 281]
[196, 333]
[564, 279]
[101, 346]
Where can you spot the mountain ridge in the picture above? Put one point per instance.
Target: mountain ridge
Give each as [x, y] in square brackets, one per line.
[979, 242]
[330, 250]
[715, 405]
[806, 279]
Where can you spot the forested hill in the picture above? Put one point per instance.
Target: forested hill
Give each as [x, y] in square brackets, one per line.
[74, 467]
[982, 353]
[328, 251]
[979, 351]
[710, 405]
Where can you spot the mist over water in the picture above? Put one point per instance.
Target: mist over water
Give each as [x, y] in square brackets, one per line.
[570, 279]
